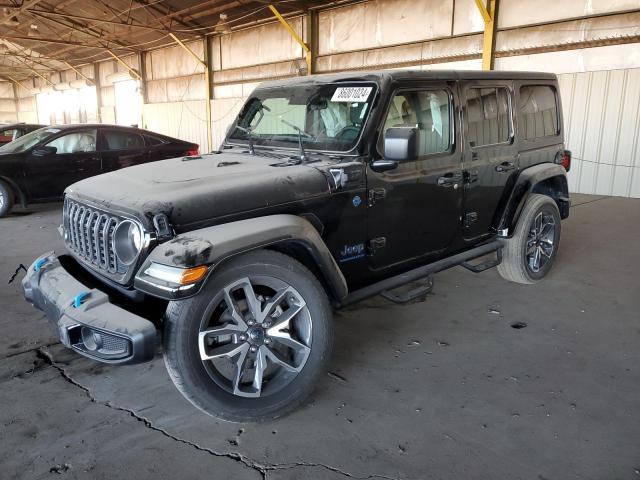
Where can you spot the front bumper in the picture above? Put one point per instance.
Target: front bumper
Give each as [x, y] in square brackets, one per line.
[86, 320]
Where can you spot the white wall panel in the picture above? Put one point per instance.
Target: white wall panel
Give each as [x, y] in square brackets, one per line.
[583, 60]
[184, 120]
[602, 128]
[381, 23]
[28, 117]
[467, 17]
[514, 13]
[264, 44]
[223, 112]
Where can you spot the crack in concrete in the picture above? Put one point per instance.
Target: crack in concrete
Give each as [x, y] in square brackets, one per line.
[15, 274]
[263, 469]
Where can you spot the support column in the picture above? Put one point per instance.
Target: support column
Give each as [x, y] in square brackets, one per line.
[488, 41]
[96, 82]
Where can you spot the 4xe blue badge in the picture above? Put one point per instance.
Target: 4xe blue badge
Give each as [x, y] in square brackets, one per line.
[356, 201]
[352, 252]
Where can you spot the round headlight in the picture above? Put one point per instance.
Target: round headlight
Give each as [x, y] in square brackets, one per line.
[127, 241]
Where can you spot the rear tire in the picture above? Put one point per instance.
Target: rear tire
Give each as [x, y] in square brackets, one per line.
[253, 344]
[528, 256]
[6, 199]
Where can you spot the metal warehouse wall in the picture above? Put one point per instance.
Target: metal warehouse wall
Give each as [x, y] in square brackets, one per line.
[594, 46]
[602, 121]
[7, 103]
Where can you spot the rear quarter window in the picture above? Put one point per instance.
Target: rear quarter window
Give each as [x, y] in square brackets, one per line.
[117, 140]
[152, 141]
[538, 112]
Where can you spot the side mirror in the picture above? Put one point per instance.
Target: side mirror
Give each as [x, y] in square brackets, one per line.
[401, 144]
[44, 151]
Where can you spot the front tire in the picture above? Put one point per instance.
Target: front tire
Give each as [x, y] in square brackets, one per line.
[528, 256]
[6, 199]
[252, 345]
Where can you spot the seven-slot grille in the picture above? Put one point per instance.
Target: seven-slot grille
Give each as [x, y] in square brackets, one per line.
[89, 233]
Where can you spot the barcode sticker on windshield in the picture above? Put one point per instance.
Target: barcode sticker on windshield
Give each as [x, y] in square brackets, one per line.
[351, 94]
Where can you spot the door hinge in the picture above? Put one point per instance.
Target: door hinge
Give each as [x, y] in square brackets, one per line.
[376, 244]
[470, 218]
[375, 195]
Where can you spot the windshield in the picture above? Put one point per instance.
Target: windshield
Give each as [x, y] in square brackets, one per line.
[27, 141]
[326, 117]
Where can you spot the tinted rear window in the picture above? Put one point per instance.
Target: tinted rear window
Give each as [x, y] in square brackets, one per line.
[152, 140]
[123, 140]
[538, 112]
[488, 116]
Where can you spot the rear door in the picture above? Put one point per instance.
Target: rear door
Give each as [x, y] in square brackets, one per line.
[491, 155]
[414, 210]
[75, 159]
[121, 149]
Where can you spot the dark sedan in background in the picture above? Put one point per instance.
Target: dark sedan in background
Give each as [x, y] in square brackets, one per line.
[13, 131]
[38, 166]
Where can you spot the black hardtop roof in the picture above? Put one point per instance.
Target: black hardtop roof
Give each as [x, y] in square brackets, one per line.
[399, 75]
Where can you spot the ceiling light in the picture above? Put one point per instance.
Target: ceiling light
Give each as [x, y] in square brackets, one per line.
[222, 26]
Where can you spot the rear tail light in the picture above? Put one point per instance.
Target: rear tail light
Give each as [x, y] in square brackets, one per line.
[194, 152]
[564, 158]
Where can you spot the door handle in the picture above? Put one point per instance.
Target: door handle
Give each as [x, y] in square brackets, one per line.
[383, 165]
[450, 179]
[505, 167]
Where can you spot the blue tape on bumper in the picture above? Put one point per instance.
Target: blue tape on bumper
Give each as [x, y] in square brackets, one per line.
[77, 300]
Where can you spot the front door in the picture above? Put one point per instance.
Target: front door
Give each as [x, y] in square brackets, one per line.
[75, 159]
[490, 158]
[414, 210]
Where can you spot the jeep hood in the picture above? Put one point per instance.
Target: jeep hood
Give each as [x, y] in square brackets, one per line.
[193, 191]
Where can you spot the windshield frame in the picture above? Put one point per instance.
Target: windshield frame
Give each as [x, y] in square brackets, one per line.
[353, 151]
[27, 136]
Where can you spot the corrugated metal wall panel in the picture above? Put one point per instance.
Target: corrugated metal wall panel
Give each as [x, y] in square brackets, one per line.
[183, 120]
[602, 124]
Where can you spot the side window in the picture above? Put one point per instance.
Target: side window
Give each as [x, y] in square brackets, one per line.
[76, 142]
[9, 135]
[151, 141]
[429, 111]
[488, 116]
[538, 112]
[123, 140]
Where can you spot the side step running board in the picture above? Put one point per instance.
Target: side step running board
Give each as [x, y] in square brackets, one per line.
[481, 267]
[405, 297]
[425, 271]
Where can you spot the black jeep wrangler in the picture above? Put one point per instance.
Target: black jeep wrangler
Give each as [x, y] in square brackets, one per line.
[327, 189]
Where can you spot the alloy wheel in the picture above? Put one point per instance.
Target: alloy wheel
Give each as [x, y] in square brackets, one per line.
[540, 241]
[255, 337]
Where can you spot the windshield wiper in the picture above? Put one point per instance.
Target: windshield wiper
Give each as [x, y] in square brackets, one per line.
[249, 132]
[301, 133]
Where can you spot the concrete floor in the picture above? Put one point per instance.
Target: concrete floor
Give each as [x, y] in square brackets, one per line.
[445, 388]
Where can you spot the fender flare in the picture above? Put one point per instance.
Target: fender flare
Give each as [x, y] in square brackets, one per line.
[525, 185]
[16, 190]
[213, 245]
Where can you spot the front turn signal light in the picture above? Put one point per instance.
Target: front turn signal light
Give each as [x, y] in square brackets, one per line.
[176, 275]
[193, 275]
